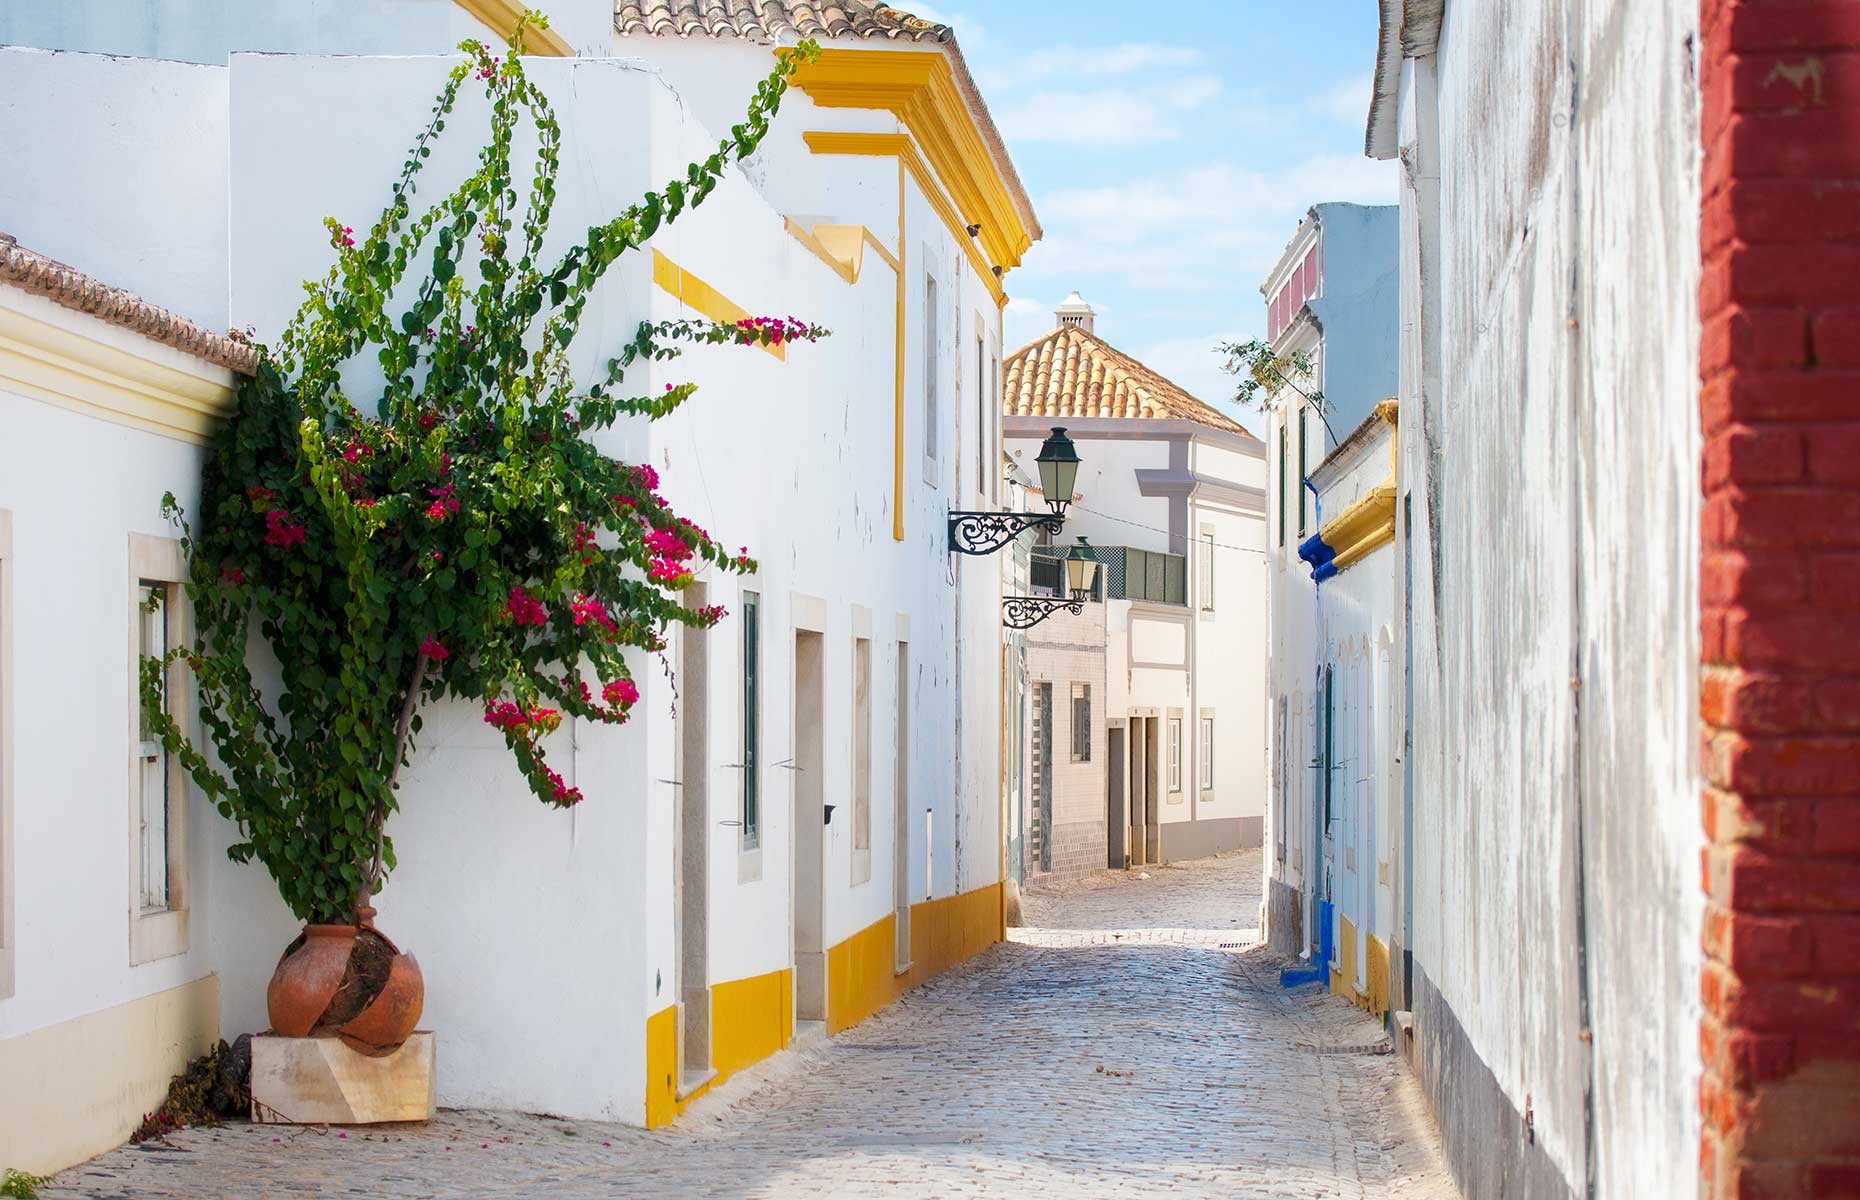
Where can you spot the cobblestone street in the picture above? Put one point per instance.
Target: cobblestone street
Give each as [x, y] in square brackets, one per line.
[1132, 1041]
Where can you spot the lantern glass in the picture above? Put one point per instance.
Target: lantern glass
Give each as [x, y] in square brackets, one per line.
[1059, 469]
[1081, 567]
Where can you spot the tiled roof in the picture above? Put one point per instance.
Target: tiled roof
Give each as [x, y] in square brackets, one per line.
[1071, 373]
[769, 20]
[70, 287]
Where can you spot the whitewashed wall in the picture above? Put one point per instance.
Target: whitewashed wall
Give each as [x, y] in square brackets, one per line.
[120, 164]
[1553, 414]
[208, 31]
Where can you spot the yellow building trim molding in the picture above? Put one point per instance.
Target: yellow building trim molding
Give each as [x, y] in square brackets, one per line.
[50, 361]
[694, 293]
[900, 145]
[78, 1088]
[1363, 526]
[862, 974]
[841, 247]
[501, 16]
[918, 87]
[750, 1019]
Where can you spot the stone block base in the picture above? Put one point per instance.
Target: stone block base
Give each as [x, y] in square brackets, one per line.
[320, 1081]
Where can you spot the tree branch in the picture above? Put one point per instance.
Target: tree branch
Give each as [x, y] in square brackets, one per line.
[408, 704]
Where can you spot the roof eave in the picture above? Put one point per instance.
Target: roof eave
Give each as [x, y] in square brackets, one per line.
[1407, 29]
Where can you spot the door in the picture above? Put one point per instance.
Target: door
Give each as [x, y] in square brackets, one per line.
[1115, 810]
[691, 862]
[809, 830]
[1043, 775]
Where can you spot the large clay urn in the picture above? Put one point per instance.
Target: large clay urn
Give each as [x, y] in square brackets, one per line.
[349, 981]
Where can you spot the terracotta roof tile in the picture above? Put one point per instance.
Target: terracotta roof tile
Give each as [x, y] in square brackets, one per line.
[1072, 373]
[769, 20]
[70, 287]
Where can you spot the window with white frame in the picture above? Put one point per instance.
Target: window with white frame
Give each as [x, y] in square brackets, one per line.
[1207, 753]
[1175, 754]
[6, 754]
[862, 760]
[157, 783]
[751, 621]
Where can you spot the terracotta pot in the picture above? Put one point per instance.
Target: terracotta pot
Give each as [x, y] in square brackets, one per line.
[322, 987]
[307, 976]
[392, 1014]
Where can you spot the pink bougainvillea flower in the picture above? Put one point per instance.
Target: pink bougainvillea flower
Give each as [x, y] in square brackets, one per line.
[621, 693]
[525, 609]
[433, 650]
[232, 575]
[280, 532]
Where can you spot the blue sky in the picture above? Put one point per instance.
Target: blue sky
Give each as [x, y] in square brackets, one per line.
[1171, 149]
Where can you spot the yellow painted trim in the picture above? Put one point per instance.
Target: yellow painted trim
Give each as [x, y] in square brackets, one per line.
[862, 971]
[918, 87]
[693, 292]
[78, 1088]
[1374, 1001]
[1363, 526]
[841, 247]
[886, 144]
[60, 366]
[501, 16]
[897, 396]
[750, 1019]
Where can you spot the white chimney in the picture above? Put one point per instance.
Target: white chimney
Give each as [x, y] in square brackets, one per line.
[1074, 311]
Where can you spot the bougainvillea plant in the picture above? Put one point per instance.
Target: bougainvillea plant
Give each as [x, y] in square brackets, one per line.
[465, 537]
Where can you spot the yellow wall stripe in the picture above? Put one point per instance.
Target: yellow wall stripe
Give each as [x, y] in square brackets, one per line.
[752, 1018]
[694, 293]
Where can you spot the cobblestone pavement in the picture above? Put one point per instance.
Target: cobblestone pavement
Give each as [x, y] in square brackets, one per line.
[1066, 1063]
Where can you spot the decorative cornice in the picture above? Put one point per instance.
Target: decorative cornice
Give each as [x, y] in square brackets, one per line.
[918, 87]
[905, 150]
[49, 355]
[501, 16]
[1362, 527]
[1163, 481]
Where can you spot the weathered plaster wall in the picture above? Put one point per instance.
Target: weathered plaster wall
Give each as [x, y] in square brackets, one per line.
[1549, 433]
[118, 167]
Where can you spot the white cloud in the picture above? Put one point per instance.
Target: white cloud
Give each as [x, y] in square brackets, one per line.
[1348, 101]
[1192, 363]
[1110, 116]
[1195, 228]
[1020, 306]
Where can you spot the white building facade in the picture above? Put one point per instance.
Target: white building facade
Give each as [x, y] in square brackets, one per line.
[1170, 493]
[809, 825]
[1331, 302]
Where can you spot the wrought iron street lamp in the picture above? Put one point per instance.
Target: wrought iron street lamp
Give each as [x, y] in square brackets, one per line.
[986, 532]
[1024, 612]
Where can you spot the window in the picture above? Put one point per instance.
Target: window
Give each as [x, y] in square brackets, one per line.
[862, 760]
[6, 754]
[1081, 722]
[752, 720]
[1175, 754]
[930, 363]
[157, 784]
[1284, 491]
[1205, 569]
[1207, 754]
[1303, 414]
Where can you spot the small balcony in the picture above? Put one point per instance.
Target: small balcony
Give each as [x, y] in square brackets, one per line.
[1124, 573]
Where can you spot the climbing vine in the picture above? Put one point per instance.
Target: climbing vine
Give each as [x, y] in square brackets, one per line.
[464, 536]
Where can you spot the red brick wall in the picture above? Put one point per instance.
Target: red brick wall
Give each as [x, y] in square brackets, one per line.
[1780, 597]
